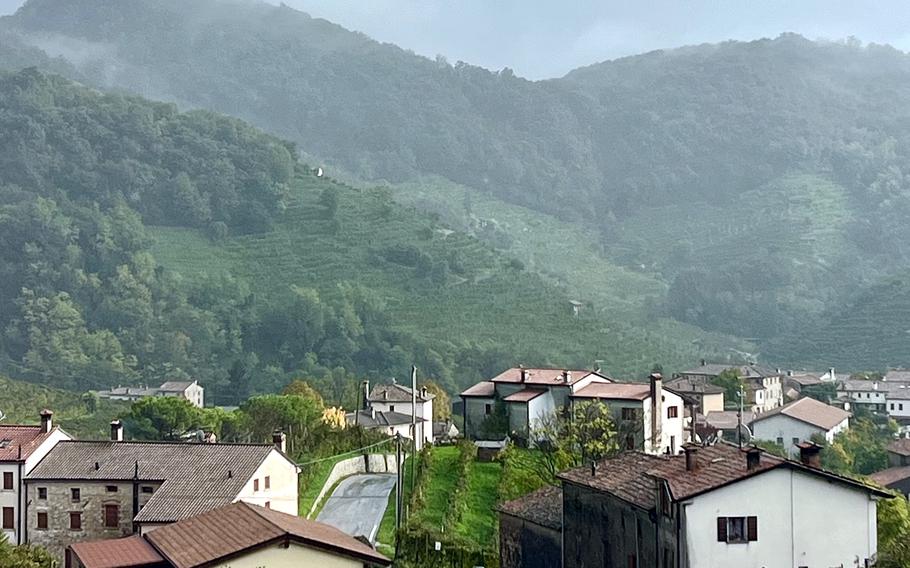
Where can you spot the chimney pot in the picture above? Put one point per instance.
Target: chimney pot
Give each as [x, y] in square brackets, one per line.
[810, 454]
[703, 362]
[47, 420]
[691, 451]
[97, 466]
[116, 431]
[753, 458]
[567, 377]
[593, 468]
[523, 372]
[280, 440]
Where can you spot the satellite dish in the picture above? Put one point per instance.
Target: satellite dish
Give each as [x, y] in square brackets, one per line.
[319, 172]
[745, 433]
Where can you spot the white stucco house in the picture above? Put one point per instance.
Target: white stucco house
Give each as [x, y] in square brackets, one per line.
[21, 448]
[393, 398]
[763, 386]
[717, 507]
[798, 421]
[531, 396]
[390, 423]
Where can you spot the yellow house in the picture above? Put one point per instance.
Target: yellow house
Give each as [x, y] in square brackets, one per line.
[239, 535]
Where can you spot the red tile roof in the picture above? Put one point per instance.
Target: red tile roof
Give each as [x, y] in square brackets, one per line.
[631, 476]
[891, 475]
[615, 391]
[484, 389]
[12, 437]
[542, 507]
[545, 377]
[900, 446]
[524, 395]
[116, 553]
[240, 526]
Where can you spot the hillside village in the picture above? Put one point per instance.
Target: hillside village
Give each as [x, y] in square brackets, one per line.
[564, 467]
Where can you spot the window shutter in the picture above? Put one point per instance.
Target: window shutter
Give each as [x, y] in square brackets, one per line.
[721, 529]
[752, 528]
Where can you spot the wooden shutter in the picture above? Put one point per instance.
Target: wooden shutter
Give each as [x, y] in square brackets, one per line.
[7, 480]
[42, 520]
[75, 521]
[721, 529]
[752, 528]
[111, 516]
[8, 516]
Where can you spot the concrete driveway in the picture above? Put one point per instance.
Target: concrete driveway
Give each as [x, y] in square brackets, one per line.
[358, 503]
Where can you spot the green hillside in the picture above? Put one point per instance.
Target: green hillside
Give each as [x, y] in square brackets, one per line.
[477, 300]
[81, 416]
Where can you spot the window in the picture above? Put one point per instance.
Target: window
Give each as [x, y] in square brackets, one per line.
[75, 494]
[8, 514]
[735, 530]
[42, 493]
[148, 489]
[391, 408]
[488, 409]
[255, 485]
[111, 488]
[795, 441]
[7, 480]
[42, 520]
[892, 406]
[780, 441]
[672, 412]
[900, 406]
[75, 521]
[629, 413]
[111, 516]
[268, 482]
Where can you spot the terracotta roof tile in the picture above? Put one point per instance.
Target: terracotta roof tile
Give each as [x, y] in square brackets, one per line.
[690, 385]
[13, 436]
[621, 476]
[485, 389]
[240, 526]
[542, 507]
[524, 395]
[615, 391]
[117, 553]
[900, 446]
[547, 377]
[891, 475]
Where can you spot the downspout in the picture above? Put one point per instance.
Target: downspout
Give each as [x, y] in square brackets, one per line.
[135, 496]
[22, 503]
[792, 524]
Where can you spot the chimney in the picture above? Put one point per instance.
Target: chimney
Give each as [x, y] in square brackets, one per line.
[596, 367]
[280, 440]
[366, 394]
[423, 393]
[657, 396]
[524, 373]
[790, 373]
[116, 431]
[567, 377]
[810, 454]
[703, 362]
[47, 420]
[372, 413]
[593, 468]
[831, 373]
[753, 458]
[691, 451]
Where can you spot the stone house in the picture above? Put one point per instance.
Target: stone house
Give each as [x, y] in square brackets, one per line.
[799, 421]
[239, 535]
[190, 390]
[21, 448]
[764, 386]
[707, 397]
[390, 423]
[710, 508]
[86, 490]
[530, 530]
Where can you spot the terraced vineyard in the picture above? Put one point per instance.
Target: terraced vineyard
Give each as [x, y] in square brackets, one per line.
[484, 298]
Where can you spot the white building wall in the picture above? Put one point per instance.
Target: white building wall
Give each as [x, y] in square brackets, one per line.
[898, 408]
[802, 521]
[671, 429]
[786, 428]
[540, 408]
[283, 489]
[424, 410]
[292, 556]
[195, 394]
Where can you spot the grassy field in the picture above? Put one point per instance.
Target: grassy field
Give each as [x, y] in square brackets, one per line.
[487, 301]
[478, 522]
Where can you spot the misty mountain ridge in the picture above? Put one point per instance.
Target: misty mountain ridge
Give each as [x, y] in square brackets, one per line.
[760, 184]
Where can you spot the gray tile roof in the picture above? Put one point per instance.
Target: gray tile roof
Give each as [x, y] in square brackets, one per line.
[396, 393]
[380, 419]
[745, 371]
[196, 477]
[175, 386]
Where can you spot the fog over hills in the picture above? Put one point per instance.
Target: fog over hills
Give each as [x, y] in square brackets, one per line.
[760, 186]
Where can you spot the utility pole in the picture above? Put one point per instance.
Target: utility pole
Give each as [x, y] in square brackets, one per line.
[414, 421]
[398, 479]
[739, 418]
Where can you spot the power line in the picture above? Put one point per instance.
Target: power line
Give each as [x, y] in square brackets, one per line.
[358, 450]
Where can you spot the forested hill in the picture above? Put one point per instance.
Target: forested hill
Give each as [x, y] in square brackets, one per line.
[140, 244]
[761, 186]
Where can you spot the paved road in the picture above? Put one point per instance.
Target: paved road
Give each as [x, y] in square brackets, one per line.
[358, 503]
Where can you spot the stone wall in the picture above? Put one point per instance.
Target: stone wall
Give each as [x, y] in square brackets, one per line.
[372, 463]
[527, 545]
[93, 497]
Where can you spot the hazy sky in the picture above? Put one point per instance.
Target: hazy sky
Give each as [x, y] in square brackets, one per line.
[547, 38]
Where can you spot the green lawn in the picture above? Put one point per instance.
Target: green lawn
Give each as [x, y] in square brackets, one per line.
[443, 478]
[478, 523]
[386, 538]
